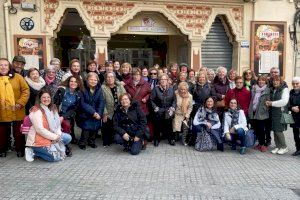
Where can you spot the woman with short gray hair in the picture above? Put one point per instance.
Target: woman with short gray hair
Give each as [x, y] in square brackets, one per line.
[50, 79]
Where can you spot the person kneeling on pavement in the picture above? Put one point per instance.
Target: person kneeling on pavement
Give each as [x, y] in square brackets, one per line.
[130, 124]
[235, 126]
[45, 139]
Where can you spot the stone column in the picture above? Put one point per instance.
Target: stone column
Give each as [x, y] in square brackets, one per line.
[101, 49]
[196, 54]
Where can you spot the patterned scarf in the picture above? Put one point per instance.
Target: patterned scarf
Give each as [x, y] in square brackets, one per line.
[258, 91]
[48, 80]
[234, 116]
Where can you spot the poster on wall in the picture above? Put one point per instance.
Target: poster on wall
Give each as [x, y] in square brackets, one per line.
[33, 48]
[268, 46]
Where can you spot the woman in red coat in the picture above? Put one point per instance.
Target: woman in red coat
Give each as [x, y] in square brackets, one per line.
[139, 90]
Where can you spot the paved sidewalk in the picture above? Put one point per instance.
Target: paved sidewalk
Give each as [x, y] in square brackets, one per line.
[165, 172]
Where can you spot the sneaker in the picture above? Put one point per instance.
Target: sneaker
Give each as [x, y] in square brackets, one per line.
[274, 151]
[243, 150]
[263, 148]
[29, 155]
[282, 151]
[258, 147]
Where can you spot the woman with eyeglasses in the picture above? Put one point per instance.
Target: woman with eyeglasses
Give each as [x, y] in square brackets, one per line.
[294, 107]
[249, 79]
[163, 103]
[50, 79]
[112, 90]
[279, 97]
[235, 125]
[153, 77]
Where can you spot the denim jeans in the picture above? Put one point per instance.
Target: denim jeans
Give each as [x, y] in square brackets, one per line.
[45, 152]
[238, 135]
[135, 148]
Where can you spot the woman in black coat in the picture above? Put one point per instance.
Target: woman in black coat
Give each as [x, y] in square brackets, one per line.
[129, 124]
[163, 103]
[294, 106]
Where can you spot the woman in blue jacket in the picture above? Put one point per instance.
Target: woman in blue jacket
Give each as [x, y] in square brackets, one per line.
[91, 111]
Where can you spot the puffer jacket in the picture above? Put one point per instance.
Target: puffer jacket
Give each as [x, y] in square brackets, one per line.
[133, 121]
[21, 94]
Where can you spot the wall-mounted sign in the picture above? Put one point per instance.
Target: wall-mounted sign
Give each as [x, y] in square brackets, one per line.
[27, 24]
[245, 44]
[147, 25]
[268, 46]
[33, 48]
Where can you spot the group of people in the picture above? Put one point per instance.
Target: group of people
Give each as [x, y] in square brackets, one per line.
[132, 106]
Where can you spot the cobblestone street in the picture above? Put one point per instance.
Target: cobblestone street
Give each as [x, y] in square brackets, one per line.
[165, 172]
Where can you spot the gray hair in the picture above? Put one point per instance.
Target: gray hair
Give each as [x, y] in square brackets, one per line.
[183, 84]
[51, 67]
[275, 68]
[54, 60]
[296, 79]
[90, 74]
[221, 68]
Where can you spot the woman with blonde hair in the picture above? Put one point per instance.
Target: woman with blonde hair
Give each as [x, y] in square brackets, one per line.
[184, 106]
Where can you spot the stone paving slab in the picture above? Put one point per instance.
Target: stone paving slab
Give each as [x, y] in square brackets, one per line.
[165, 172]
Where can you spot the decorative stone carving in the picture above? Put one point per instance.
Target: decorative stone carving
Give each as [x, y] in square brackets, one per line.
[50, 7]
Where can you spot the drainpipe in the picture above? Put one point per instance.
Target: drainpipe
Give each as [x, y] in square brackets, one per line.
[7, 29]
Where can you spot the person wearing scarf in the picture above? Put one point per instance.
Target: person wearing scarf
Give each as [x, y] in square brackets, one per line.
[50, 79]
[45, 139]
[207, 119]
[163, 103]
[294, 106]
[14, 94]
[235, 125]
[35, 83]
[258, 112]
[184, 106]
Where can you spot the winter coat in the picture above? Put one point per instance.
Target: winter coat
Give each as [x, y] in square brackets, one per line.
[203, 116]
[144, 91]
[219, 88]
[200, 93]
[179, 117]
[242, 96]
[60, 100]
[242, 121]
[279, 98]
[153, 83]
[295, 101]
[109, 99]
[133, 122]
[163, 100]
[39, 134]
[126, 78]
[262, 111]
[90, 104]
[21, 94]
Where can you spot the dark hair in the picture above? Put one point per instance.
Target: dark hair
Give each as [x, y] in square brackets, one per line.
[78, 80]
[253, 76]
[32, 70]
[239, 78]
[51, 106]
[91, 62]
[206, 99]
[237, 103]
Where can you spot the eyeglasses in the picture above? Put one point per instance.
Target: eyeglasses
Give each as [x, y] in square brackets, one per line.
[153, 73]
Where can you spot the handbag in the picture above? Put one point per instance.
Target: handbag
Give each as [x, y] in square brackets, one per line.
[204, 141]
[25, 126]
[287, 118]
[220, 104]
[250, 138]
[66, 126]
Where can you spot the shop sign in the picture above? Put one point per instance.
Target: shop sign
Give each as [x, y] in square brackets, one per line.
[147, 25]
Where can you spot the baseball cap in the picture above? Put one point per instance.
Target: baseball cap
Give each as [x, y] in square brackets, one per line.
[19, 59]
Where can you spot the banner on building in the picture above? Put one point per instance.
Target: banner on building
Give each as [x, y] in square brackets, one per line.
[33, 48]
[268, 41]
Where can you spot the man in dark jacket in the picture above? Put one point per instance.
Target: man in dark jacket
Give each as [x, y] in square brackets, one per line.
[18, 64]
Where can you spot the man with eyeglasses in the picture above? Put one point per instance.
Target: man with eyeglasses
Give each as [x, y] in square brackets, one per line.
[240, 93]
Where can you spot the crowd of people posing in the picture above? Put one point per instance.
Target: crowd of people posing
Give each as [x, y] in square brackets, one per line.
[134, 106]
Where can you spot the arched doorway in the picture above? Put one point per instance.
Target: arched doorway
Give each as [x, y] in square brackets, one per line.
[148, 39]
[73, 40]
[217, 49]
